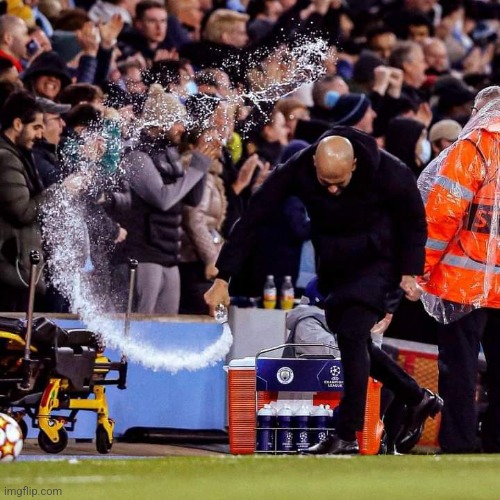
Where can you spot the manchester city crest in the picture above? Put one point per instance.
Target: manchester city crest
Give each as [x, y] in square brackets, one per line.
[285, 375]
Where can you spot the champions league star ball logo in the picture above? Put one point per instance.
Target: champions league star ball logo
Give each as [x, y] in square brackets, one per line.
[11, 438]
[285, 375]
[331, 376]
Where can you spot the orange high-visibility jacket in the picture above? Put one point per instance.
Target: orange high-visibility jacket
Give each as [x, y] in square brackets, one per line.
[463, 214]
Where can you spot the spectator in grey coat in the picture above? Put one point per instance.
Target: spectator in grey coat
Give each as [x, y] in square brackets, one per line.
[159, 184]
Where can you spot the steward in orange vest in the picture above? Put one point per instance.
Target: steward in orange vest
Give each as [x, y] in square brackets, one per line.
[463, 215]
[462, 193]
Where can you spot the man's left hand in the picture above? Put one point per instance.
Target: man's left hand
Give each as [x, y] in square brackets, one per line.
[412, 289]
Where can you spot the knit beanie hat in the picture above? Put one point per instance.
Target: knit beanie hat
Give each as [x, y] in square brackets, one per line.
[445, 129]
[162, 109]
[349, 109]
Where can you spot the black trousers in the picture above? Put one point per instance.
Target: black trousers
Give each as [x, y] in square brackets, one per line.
[361, 359]
[193, 287]
[459, 344]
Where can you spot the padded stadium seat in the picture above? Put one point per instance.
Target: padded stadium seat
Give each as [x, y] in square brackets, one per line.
[46, 333]
[81, 337]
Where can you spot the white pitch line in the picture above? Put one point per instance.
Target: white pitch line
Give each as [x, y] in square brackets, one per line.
[66, 479]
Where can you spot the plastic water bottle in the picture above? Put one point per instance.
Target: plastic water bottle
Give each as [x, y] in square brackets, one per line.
[266, 423]
[319, 422]
[269, 299]
[221, 313]
[377, 339]
[301, 432]
[287, 295]
[284, 436]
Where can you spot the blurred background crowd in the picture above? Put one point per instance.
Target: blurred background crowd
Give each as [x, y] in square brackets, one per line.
[181, 144]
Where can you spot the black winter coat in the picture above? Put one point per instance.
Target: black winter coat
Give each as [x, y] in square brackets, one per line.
[21, 196]
[365, 239]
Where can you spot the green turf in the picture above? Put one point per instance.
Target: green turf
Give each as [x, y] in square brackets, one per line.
[263, 477]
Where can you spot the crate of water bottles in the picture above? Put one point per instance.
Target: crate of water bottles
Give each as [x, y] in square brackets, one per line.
[284, 427]
[296, 419]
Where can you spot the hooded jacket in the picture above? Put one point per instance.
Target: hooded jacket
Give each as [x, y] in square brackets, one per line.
[307, 324]
[401, 140]
[365, 239]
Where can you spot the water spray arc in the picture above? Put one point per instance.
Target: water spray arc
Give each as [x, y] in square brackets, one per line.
[65, 222]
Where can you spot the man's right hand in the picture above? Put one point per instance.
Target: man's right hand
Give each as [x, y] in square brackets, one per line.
[217, 294]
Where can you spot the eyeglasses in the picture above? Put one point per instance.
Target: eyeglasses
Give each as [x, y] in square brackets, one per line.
[55, 118]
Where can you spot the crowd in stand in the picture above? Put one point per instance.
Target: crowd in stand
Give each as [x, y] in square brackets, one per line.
[180, 147]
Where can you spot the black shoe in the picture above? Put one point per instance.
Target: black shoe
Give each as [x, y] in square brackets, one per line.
[391, 450]
[408, 442]
[333, 445]
[413, 427]
[387, 446]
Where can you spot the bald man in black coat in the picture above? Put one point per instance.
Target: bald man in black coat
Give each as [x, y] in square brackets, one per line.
[369, 232]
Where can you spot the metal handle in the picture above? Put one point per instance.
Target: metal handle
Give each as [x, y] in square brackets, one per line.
[27, 365]
[34, 261]
[281, 346]
[132, 265]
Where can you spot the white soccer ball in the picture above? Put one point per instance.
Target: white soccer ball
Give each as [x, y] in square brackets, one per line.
[11, 438]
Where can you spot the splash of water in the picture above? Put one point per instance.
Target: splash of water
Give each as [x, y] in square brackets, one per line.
[66, 236]
[276, 75]
[66, 220]
[296, 67]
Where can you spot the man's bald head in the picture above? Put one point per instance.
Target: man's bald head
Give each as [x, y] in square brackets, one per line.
[334, 162]
[13, 35]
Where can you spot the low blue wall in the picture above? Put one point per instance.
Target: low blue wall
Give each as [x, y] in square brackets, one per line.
[185, 400]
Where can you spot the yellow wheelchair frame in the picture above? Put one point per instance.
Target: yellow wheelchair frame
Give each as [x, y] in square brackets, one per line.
[58, 394]
[45, 369]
